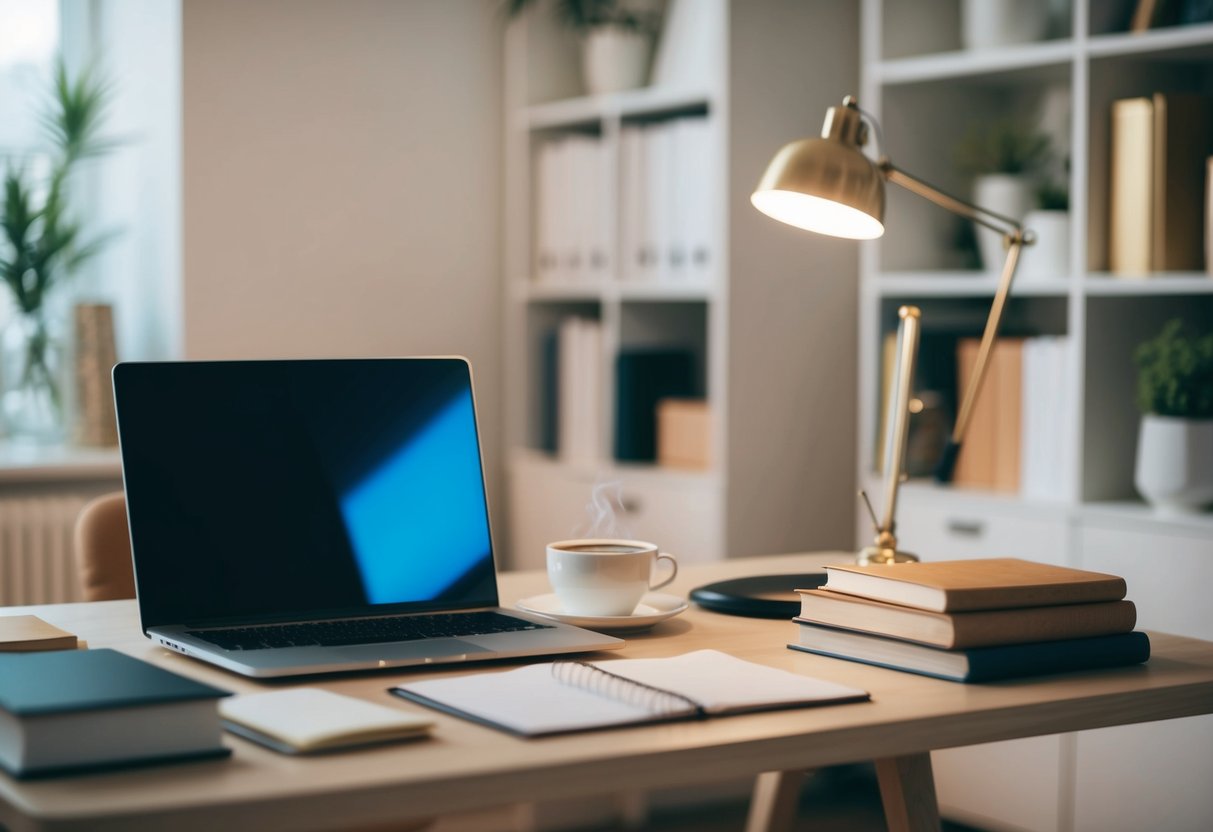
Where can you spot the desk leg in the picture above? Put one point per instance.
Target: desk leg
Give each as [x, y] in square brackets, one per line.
[907, 790]
[775, 800]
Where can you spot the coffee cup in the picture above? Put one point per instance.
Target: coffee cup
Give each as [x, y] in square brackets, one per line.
[606, 577]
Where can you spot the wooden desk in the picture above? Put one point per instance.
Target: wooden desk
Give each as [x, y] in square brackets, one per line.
[466, 767]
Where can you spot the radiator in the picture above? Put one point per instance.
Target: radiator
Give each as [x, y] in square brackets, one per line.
[37, 564]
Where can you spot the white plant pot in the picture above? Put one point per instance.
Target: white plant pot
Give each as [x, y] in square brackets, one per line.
[1049, 256]
[614, 59]
[1175, 463]
[992, 23]
[1006, 194]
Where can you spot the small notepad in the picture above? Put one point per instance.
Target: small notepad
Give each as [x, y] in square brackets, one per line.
[29, 633]
[308, 720]
[566, 696]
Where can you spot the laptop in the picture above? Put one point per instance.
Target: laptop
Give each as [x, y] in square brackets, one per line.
[298, 517]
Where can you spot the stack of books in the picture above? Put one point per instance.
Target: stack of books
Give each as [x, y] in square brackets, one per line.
[972, 620]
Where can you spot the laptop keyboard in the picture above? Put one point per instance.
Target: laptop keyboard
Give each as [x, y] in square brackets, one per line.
[366, 630]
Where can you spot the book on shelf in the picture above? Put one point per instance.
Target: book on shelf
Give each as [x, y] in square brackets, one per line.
[668, 202]
[571, 198]
[1016, 441]
[568, 696]
[934, 390]
[981, 584]
[29, 633]
[1159, 145]
[633, 174]
[977, 664]
[642, 378]
[579, 390]
[1045, 461]
[684, 433]
[982, 628]
[312, 720]
[549, 386]
[69, 711]
[990, 455]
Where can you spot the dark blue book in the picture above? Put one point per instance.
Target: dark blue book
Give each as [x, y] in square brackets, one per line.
[642, 378]
[549, 393]
[72, 711]
[976, 664]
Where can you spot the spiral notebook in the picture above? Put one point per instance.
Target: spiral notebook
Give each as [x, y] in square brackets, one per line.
[567, 696]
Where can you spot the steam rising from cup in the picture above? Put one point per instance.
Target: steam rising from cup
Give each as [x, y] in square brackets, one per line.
[603, 513]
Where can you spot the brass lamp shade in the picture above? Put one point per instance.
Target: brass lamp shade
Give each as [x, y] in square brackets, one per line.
[826, 184]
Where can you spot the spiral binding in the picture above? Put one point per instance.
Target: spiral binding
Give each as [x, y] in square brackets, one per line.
[655, 700]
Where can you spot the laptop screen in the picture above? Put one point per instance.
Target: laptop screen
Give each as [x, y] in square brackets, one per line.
[270, 490]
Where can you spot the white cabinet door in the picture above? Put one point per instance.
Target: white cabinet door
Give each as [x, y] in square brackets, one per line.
[1011, 785]
[939, 525]
[1157, 775]
[1003, 785]
[548, 501]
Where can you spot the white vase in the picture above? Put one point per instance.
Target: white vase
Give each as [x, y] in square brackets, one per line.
[1049, 256]
[614, 59]
[1175, 463]
[992, 23]
[1003, 193]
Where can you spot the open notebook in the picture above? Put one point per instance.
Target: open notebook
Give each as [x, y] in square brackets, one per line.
[566, 696]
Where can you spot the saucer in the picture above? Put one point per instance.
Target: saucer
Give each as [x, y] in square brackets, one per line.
[653, 608]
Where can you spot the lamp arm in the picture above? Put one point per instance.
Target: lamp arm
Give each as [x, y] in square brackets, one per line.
[1004, 225]
[1015, 236]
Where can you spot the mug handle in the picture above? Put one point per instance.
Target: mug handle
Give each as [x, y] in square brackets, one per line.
[673, 569]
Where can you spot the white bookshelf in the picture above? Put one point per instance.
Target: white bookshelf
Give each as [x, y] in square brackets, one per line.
[925, 89]
[751, 325]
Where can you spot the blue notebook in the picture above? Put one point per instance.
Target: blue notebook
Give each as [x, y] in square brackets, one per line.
[77, 710]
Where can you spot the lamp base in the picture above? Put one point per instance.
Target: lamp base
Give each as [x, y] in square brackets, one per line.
[883, 554]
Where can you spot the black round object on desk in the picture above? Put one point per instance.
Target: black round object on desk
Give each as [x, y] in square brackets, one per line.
[759, 596]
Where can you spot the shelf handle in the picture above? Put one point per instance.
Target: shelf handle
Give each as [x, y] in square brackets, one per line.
[967, 528]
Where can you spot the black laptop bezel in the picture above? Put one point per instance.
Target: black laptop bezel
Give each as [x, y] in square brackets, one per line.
[364, 611]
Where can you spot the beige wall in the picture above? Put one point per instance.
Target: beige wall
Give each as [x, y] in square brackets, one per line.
[789, 62]
[342, 166]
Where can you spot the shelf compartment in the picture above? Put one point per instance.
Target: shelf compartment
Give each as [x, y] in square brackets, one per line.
[541, 351]
[1116, 325]
[923, 131]
[1130, 76]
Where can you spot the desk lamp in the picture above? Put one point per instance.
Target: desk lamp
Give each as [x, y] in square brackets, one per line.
[830, 186]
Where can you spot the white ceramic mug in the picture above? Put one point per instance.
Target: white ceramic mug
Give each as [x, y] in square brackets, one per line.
[608, 577]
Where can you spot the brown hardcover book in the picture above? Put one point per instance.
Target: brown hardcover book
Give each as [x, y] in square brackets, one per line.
[1182, 127]
[990, 455]
[963, 585]
[1007, 393]
[27, 633]
[953, 631]
[975, 465]
[1157, 212]
[1131, 184]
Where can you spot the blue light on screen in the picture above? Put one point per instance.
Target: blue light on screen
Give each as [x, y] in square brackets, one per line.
[417, 521]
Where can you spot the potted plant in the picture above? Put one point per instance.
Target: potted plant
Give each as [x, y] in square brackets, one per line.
[41, 245]
[1004, 158]
[1175, 446]
[1049, 256]
[616, 40]
[992, 23]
